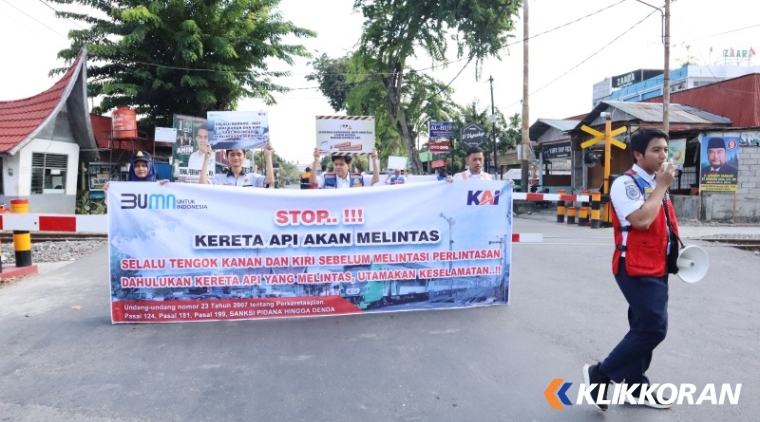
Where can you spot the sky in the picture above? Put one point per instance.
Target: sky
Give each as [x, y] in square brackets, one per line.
[564, 62]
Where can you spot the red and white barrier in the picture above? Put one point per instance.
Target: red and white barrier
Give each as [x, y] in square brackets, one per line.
[54, 223]
[98, 224]
[550, 197]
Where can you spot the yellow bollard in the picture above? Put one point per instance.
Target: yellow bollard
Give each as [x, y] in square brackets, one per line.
[596, 205]
[571, 215]
[561, 208]
[22, 240]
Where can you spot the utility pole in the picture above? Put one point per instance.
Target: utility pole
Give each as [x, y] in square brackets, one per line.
[497, 168]
[666, 76]
[525, 119]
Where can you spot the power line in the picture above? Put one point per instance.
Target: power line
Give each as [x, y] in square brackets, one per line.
[34, 19]
[469, 59]
[56, 11]
[587, 58]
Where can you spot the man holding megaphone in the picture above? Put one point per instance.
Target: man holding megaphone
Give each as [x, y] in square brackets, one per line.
[644, 224]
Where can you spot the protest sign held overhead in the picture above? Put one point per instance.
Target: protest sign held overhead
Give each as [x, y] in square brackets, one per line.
[345, 135]
[238, 129]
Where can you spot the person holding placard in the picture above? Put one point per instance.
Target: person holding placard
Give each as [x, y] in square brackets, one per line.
[341, 177]
[234, 176]
[398, 178]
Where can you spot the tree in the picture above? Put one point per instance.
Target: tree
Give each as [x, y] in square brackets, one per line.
[181, 56]
[395, 31]
[507, 132]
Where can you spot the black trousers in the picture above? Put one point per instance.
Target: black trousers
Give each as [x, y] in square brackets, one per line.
[648, 324]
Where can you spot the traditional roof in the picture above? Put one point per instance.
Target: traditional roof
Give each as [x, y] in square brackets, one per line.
[22, 120]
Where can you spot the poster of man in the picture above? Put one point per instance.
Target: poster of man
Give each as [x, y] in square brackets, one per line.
[189, 150]
[720, 163]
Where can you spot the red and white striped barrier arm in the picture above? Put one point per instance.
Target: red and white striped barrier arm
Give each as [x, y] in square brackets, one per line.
[550, 197]
[99, 224]
[54, 223]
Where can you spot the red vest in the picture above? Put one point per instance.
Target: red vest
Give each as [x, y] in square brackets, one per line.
[646, 250]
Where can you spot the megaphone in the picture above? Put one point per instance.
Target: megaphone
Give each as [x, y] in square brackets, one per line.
[693, 263]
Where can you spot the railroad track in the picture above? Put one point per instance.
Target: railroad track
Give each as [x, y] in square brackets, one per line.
[7, 238]
[743, 243]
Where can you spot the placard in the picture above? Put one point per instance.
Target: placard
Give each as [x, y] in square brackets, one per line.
[345, 135]
[238, 129]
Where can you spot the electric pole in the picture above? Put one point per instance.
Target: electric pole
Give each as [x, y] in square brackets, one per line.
[666, 76]
[497, 168]
[525, 129]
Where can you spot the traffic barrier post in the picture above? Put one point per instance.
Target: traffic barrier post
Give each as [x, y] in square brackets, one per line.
[22, 240]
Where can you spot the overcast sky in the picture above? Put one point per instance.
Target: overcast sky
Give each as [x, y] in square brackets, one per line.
[32, 36]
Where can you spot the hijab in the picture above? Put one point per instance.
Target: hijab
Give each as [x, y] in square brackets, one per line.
[145, 157]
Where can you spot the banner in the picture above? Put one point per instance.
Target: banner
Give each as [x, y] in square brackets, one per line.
[345, 135]
[187, 151]
[719, 162]
[238, 129]
[181, 252]
[677, 152]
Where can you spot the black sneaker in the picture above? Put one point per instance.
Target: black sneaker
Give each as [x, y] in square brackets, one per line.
[665, 403]
[592, 375]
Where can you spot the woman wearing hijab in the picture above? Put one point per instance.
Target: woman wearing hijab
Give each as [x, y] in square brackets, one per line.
[141, 170]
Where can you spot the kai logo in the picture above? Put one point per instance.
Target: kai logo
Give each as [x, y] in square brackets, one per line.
[482, 197]
[143, 201]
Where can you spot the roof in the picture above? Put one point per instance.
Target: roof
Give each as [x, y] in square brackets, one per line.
[623, 111]
[101, 128]
[22, 120]
[738, 99]
[542, 125]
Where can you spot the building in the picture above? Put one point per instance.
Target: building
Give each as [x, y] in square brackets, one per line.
[644, 84]
[43, 140]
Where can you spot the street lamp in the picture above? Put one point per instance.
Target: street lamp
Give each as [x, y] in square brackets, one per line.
[451, 222]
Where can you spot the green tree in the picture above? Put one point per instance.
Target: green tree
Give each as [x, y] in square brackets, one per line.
[396, 31]
[181, 56]
[507, 133]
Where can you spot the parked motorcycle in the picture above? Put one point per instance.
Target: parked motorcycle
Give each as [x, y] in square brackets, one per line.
[542, 204]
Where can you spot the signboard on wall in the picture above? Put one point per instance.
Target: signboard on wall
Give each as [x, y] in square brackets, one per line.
[719, 165]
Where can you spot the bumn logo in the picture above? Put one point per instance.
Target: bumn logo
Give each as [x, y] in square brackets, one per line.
[143, 201]
[482, 197]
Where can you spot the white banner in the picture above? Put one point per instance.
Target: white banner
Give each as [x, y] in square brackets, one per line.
[181, 252]
[166, 134]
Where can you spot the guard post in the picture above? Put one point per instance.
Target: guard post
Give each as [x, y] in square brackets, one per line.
[583, 212]
[561, 207]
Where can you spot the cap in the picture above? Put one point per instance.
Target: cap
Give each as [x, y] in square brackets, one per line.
[141, 156]
[716, 143]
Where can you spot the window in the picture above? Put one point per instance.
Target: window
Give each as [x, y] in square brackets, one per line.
[49, 173]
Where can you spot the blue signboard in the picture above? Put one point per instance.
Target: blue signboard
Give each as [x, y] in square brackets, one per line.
[441, 130]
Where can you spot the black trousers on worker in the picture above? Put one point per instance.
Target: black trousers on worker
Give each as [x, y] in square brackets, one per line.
[648, 324]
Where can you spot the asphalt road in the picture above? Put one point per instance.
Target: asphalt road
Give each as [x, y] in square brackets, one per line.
[62, 360]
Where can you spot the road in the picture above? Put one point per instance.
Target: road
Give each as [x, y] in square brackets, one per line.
[62, 360]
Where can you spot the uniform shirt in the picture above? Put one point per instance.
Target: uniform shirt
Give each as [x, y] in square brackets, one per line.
[470, 176]
[627, 198]
[343, 183]
[251, 180]
[395, 180]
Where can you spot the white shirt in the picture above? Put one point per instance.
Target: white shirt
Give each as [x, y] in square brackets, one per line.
[480, 176]
[343, 183]
[251, 180]
[627, 198]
